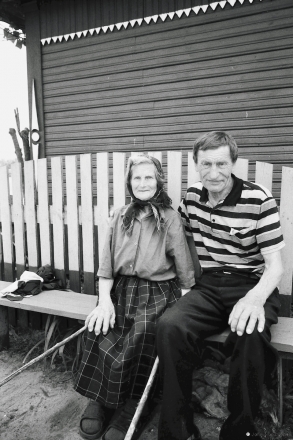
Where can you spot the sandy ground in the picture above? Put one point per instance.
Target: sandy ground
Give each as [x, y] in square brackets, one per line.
[36, 405]
[41, 404]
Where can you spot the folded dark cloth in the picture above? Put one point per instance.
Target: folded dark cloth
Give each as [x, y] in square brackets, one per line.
[25, 289]
[31, 284]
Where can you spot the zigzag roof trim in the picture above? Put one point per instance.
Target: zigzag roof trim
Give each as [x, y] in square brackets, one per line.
[153, 18]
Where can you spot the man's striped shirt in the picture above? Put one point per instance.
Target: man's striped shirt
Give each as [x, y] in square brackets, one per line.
[238, 231]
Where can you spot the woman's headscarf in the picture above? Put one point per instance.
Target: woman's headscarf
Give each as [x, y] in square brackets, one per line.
[160, 200]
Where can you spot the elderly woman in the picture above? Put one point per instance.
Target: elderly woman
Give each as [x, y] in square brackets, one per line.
[145, 265]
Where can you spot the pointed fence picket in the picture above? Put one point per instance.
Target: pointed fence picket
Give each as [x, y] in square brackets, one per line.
[264, 174]
[102, 211]
[31, 216]
[63, 222]
[87, 222]
[18, 218]
[174, 173]
[7, 236]
[19, 232]
[286, 216]
[44, 213]
[118, 179]
[73, 229]
[57, 217]
[6, 223]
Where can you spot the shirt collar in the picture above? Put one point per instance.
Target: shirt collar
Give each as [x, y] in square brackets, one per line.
[233, 196]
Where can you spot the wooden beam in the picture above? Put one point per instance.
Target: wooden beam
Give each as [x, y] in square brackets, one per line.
[34, 67]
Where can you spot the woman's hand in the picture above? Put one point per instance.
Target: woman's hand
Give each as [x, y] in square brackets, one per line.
[102, 317]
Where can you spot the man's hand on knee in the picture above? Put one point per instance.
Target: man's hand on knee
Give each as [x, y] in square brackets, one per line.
[246, 313]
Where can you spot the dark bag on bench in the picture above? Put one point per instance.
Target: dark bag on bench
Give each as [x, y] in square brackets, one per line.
[50, 282]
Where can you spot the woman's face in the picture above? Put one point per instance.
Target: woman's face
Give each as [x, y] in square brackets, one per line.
[143, 181]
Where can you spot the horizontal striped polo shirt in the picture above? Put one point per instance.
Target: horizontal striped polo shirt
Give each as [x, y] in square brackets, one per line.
[238, 231]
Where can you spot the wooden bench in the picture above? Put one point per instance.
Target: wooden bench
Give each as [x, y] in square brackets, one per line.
[38, 227]
[75, 305]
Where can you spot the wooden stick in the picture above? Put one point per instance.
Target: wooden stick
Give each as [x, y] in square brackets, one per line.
[42, 356]
[142, 401]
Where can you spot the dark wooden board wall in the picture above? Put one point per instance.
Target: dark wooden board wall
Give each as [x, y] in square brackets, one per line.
[158, 86]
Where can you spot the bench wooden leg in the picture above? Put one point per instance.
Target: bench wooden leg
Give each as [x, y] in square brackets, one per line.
[280, 389]
[4, 328]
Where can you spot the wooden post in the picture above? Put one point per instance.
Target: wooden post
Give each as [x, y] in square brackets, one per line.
[4, 328]
[34, 67]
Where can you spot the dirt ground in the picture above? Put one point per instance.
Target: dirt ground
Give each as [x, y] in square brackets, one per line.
[40, 404]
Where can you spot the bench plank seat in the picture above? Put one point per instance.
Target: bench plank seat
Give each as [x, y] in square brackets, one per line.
[78, 305]
[54, 302]
[282, 333]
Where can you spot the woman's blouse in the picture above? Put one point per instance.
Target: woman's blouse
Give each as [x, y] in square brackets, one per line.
[147, 253]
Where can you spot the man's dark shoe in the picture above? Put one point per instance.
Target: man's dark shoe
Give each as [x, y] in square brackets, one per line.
[196, 435]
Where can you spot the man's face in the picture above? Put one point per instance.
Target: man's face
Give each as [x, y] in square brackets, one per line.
[215, 168]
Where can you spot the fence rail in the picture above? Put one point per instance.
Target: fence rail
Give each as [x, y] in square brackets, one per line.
[62, 224]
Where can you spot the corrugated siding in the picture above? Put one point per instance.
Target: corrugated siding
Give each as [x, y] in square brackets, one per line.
[158, 86]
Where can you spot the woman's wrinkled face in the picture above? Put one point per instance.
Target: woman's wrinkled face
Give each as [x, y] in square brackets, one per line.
[143, 181]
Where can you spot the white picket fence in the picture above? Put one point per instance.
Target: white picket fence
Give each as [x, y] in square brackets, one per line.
[62, 224]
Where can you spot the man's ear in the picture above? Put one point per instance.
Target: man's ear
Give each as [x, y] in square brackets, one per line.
[234, 166]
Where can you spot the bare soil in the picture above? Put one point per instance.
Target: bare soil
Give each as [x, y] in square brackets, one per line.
[41, 404]
[37, 404]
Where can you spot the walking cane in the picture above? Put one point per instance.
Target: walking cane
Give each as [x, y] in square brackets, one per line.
[142, 401]
[42, 356]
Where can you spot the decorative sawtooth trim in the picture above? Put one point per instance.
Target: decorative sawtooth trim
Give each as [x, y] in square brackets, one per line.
[152, 18]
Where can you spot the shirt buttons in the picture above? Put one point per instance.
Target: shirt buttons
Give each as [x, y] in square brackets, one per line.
[213, 220]
[130, 265]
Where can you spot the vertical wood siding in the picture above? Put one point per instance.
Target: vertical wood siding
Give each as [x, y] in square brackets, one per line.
[158, 86]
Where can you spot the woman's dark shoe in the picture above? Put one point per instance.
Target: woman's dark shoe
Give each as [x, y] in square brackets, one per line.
[94, 421]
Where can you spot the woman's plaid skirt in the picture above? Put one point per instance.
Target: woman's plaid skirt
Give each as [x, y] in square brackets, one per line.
[116, 366]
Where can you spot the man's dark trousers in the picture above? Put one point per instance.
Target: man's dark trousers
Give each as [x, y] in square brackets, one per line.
[203, 312]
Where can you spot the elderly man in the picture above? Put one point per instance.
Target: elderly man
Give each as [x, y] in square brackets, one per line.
[236, 230]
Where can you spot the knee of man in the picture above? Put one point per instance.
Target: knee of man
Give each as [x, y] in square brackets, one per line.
[168, 323]
[249, 338]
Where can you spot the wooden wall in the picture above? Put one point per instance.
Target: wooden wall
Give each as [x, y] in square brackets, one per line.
[61, 17]
[158, 86]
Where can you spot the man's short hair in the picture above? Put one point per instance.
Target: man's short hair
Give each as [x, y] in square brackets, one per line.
[214, 140]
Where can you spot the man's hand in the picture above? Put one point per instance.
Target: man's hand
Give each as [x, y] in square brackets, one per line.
[250, 309]
[102, 317]
[246, 312]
